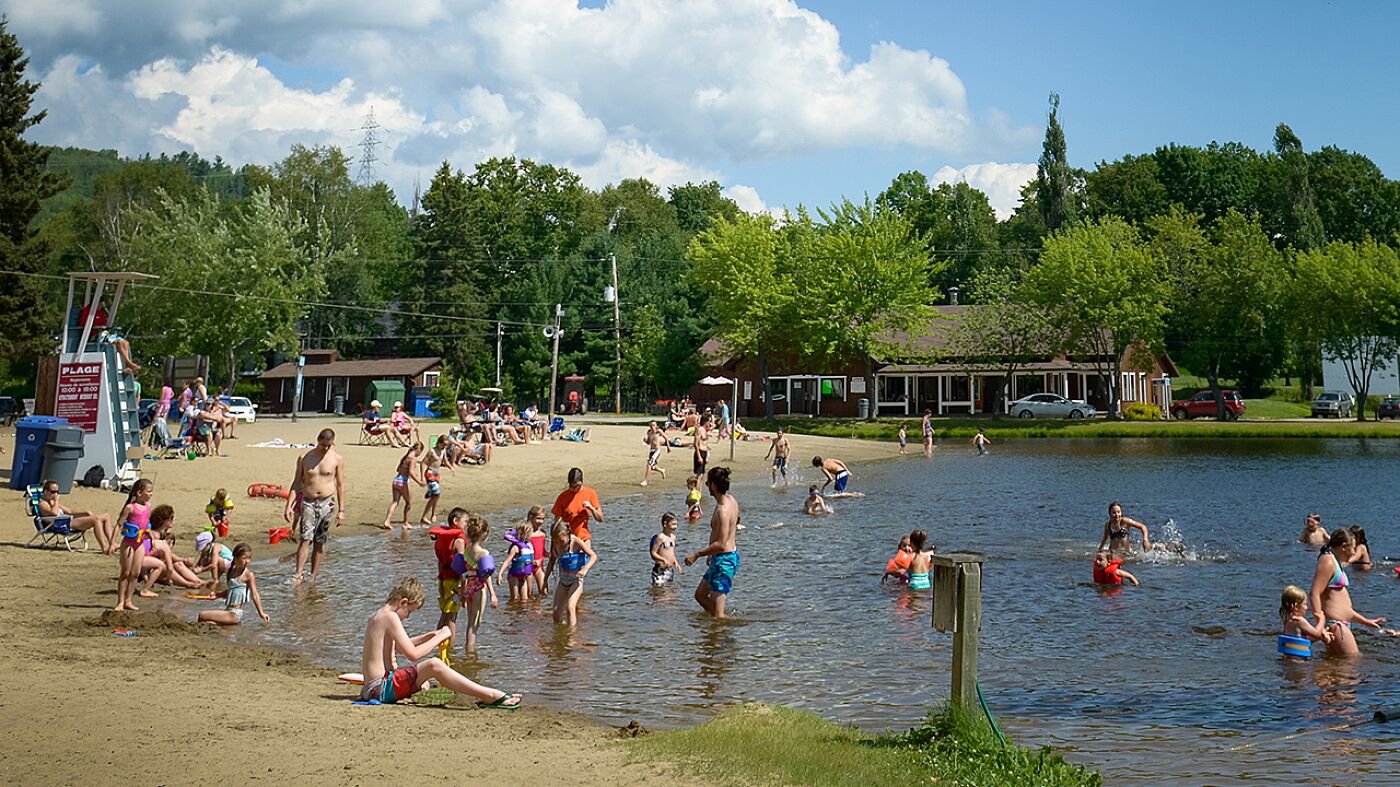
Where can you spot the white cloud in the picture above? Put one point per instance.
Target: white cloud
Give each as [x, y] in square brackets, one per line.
[670, 91]
[1000, 182]
[746, 197]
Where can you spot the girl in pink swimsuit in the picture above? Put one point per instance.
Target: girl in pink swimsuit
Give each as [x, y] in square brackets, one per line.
[135, 524]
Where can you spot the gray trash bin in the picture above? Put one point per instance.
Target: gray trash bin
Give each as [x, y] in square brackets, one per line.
[338, 404]
[61, 455]
[863, 407]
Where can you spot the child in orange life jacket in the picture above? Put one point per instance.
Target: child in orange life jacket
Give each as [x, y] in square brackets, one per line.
[898, 566]
[1110, 572]
[449, 547]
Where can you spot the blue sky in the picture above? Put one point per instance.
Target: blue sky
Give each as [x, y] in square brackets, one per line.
[758, 94]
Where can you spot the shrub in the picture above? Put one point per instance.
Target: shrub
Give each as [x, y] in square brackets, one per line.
[1141, 411]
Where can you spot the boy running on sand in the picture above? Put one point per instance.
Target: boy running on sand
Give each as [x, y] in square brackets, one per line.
[655, 440]
[385, 636]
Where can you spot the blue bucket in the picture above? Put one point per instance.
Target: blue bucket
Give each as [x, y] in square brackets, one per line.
[1294, 646]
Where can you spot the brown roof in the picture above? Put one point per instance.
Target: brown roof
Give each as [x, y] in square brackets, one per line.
[370, 367]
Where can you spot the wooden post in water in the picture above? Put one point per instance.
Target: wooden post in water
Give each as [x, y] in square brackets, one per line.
[957, 607]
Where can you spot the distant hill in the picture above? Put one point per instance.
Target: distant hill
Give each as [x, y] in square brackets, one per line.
[83, 166]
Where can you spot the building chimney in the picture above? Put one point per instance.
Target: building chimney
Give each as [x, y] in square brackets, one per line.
[953, 295]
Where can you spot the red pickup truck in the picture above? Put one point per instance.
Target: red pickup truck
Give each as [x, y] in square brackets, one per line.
[1202, 405]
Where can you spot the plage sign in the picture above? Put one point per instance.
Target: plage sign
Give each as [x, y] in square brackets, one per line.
[79, 389]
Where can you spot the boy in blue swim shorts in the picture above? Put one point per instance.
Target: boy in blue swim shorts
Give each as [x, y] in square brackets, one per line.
[723, 549]
[835, 471]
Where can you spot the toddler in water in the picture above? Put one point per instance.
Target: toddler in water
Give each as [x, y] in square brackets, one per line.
[241, 587]
[663, 552]
[520, 561]
[816, 505]
[218, 511]
[539, 541]
[1109, 572]
[692, 499]
[903, 440]
[1293, 611]
[980, 441]
[898, 566]
[479, 567]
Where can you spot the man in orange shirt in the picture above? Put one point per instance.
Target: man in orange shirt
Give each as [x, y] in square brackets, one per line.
[576, 505]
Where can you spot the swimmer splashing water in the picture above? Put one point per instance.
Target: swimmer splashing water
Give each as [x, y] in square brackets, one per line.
[1116, 529]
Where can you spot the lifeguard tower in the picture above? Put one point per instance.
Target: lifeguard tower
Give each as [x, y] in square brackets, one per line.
[93, 392]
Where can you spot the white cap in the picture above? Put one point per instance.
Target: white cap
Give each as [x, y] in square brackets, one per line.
[203, 540]
[398, 404]
[375, 403]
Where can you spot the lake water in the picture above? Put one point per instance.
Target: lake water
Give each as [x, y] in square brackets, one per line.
[1159, 684]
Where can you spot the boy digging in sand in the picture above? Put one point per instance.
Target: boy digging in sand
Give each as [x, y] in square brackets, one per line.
[386, 682]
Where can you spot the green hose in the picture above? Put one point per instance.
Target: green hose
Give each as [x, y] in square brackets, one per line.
[991, 720]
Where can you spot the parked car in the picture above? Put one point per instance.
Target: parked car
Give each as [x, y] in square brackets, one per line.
[241, 407]
[1048, 405]
[1334, 404]
[1202, 405]
[11, 409]
[1390, 408]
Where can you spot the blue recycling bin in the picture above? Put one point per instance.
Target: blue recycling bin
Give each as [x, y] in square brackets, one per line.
[31, 435]
[420, 401]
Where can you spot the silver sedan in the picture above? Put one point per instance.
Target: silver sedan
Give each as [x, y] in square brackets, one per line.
[1048, 405]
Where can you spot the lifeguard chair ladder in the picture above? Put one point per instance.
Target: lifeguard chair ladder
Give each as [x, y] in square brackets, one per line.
[93, 392]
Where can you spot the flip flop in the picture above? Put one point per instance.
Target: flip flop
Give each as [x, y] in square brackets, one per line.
[500, 703]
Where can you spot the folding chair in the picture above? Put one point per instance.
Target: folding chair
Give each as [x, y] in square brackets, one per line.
[52, 530]
[368, 437]
[556, 427]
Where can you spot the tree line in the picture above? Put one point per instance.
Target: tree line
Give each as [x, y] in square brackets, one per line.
[1245, 265]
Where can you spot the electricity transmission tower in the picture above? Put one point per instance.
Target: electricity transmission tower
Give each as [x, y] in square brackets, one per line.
[369, 145]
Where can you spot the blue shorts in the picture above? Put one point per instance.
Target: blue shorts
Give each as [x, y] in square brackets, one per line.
[841, 479]
[720, 574]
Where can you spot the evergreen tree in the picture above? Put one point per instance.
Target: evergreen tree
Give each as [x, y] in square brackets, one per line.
[24, 185]
[1054, 180]
[1302, 226]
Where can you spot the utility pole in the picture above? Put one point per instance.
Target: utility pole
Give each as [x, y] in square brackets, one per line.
[369, 145]
[554, 364]
[617, 340]
[500, 331]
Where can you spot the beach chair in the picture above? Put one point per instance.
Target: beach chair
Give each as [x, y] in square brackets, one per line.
[556, 427]
[577, 435]
[52, 530]
[368, 437]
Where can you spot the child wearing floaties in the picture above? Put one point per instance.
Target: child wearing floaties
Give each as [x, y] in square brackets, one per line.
[898, 566]
[1293, 612]
[520, 561]
[1109, 571]
[134, 524]
[663, 552]
[218, 510]
[479, 566]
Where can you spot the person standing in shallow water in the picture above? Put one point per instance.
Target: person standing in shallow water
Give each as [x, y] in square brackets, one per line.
[723, 550]
[318, 487]
[1115, 531]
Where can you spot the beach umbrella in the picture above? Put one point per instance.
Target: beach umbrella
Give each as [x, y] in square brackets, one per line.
[711, 380]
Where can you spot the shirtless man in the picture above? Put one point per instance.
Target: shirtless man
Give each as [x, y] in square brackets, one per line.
[723, 549]
[655, 440]
[781, 450]
[386, 682]
[835, 471]
[319, 483]
[702, 449]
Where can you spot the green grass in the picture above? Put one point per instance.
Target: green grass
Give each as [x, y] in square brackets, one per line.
[759, 744]
[962, 429]
[1275, 408]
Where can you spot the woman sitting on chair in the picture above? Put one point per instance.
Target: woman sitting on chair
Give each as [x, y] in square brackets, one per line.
[100, 524]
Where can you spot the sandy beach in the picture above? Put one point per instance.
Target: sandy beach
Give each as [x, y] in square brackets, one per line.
[178, 703]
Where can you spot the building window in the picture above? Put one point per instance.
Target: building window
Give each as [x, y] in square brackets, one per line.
[891, 389]
[834, 388]
[430, 379]
[958, 389]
